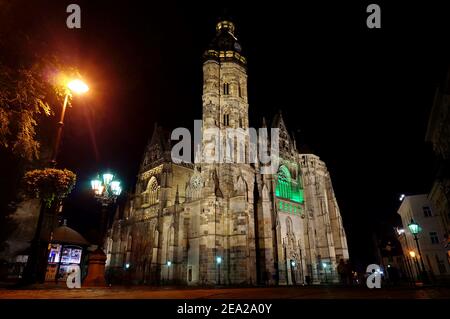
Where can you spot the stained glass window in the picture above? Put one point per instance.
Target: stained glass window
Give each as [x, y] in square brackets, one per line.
[286, 188]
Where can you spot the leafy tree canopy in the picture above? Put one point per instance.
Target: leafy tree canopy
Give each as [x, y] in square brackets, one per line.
[49, 184]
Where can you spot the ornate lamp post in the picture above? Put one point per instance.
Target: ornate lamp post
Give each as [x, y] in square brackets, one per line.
[169, 263]
[218, 261]
[293, 269]
[324, 265]
[106, 191]
[415, 229]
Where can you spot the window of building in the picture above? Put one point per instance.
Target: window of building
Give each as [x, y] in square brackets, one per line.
[240, 122]
[239, 90]
[151, 195]
[288, 226]
[226, 119]
[434, 237]
[441, 265]
[226, 88]
[285, 188]
[284, 183]
[426, 211]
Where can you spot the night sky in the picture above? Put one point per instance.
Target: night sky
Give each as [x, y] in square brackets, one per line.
[359, 98]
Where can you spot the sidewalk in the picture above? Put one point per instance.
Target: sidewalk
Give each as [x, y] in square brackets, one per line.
[145, 292]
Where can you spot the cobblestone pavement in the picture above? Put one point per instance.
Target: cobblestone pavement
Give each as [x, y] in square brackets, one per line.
[139, 292]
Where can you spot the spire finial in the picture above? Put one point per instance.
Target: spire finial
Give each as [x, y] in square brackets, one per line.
[263, 124]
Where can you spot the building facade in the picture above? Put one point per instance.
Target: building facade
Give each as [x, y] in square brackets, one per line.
[438, 134]
[431, 238]
[227, 223]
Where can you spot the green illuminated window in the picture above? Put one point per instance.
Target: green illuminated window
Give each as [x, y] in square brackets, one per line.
[285, 189]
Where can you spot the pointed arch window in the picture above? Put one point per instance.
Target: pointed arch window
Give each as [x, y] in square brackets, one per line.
[283, 189]
[226, 88]
[151, 195]
[289, 228]
[286, 188]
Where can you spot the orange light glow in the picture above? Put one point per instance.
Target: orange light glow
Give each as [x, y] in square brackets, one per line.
[78, 86]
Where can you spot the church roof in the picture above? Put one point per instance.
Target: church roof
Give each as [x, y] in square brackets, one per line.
[160, 137]
[278, 122]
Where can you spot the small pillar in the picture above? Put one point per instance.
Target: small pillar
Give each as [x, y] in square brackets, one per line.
[96, 269]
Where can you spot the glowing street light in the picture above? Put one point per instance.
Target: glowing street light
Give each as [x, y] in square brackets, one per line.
[168, 263]
[75, 86]
[97, 186]
[218, 262]
[412, 254]
[106, 190]
[107, 178]
[415, 229]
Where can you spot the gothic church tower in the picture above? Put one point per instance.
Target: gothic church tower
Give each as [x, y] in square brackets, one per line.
[226, 246]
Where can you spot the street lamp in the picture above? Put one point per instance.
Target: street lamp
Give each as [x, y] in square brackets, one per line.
[169, 263]
[412, 254]
[78, 86]
[34, 263]
[324, 265]
[415, 229]
[74, 86]
[218, 262]
[106, 191]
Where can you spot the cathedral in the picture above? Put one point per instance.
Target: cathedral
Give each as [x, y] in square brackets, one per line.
[226, 223]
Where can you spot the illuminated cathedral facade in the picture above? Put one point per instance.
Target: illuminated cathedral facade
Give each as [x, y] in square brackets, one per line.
[226, 223]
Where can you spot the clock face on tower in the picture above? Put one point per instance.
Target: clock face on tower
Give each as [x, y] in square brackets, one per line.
[237, 47]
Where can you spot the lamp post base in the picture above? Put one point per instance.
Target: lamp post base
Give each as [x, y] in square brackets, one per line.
[96, 269]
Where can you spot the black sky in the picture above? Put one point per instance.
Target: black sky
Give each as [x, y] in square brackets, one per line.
[359, 98]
